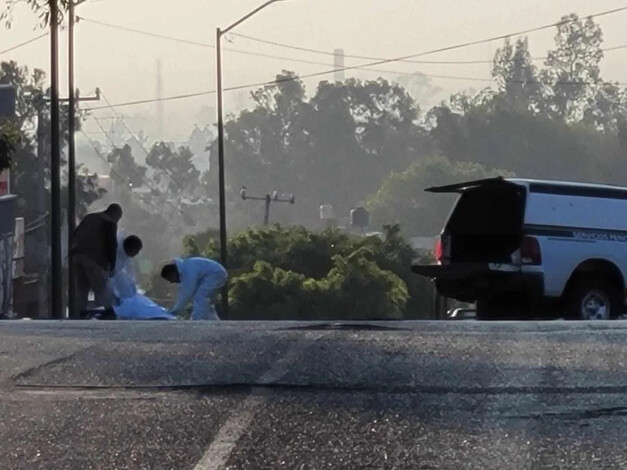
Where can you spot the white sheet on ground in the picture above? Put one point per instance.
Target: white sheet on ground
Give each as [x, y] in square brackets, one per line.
[140, 307]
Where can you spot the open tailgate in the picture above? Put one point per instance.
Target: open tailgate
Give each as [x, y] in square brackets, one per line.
[468, 185]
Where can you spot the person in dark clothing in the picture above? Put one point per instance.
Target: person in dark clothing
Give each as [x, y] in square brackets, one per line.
[93, 252]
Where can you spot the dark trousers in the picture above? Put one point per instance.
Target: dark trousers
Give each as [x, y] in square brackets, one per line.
[90, 276]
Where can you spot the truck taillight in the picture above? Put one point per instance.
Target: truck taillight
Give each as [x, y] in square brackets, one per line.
[530, 251]
[438, 250]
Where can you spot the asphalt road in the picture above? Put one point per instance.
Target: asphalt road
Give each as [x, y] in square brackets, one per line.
[418, 395]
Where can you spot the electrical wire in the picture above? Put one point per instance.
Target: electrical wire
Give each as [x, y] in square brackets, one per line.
[25, 43]
[301, 77]
[136, 139]
[468, 43]
[421, 62]
[111, 167]
[381, 62]
[377, 60]
[145, 33]
[237, 51]
[144, 180]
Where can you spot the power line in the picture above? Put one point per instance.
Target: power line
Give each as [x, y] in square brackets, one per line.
[350, 56]
[378, 61]
[269, 56]
[144, 180]
[327, 53]
[300, 77]
[615, 48]
[111, 168]
[469, 43]
[421, 62]
[146, 33]
[384, 61]
[154, 100]
[136, 139]
[121, 119]
[25, 43]
[211, 46]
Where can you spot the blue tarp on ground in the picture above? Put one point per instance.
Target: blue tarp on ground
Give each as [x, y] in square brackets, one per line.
[140, 307]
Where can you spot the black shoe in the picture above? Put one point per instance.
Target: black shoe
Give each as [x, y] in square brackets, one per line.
[85, 315]
[108, 314]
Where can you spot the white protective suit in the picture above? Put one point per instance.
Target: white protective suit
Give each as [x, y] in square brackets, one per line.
[123, 281]
[134, 305]
[201, 278]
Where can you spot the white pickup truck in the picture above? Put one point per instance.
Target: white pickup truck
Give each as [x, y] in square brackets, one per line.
[527, 247]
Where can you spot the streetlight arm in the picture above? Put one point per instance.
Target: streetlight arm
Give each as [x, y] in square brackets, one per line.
[254, 12]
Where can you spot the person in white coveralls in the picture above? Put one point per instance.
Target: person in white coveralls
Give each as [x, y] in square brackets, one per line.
[132, 305]
[200, 279]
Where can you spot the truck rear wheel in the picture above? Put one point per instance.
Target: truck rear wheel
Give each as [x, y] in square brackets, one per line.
[591, 298]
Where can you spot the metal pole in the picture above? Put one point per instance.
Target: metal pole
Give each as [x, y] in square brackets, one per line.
[55, 167]
[43, 268]
[71, 211]
[223, 247]
[266, 217]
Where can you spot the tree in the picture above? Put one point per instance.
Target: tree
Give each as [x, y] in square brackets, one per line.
[41, 7]
[606, 107]
[516, 76]
[9, 139]
[198, 143]
[402, 199]
[174, 168]
[87, 191]
[419, 86]
[29, 86]
[334, 148]
[497, 134]
[573, 70]
[124, 170]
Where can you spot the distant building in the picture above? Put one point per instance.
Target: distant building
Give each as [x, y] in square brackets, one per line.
[4, 182]
[105, 182]
[422, 244]
[338, 64]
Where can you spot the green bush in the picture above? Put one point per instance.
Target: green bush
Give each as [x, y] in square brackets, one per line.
[283, 273]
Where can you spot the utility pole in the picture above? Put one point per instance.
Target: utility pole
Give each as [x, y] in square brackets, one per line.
[56, 305]
[40, 101]
[42, 245]
[73, 98]
[268, 200]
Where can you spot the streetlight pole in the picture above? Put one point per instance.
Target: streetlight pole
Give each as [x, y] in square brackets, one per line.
[221, 182]
[71, 183]
[56, 306]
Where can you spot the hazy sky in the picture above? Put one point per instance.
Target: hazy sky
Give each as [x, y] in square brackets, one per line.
[123, 64]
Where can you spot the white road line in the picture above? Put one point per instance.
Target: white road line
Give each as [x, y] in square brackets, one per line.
[218, 453]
